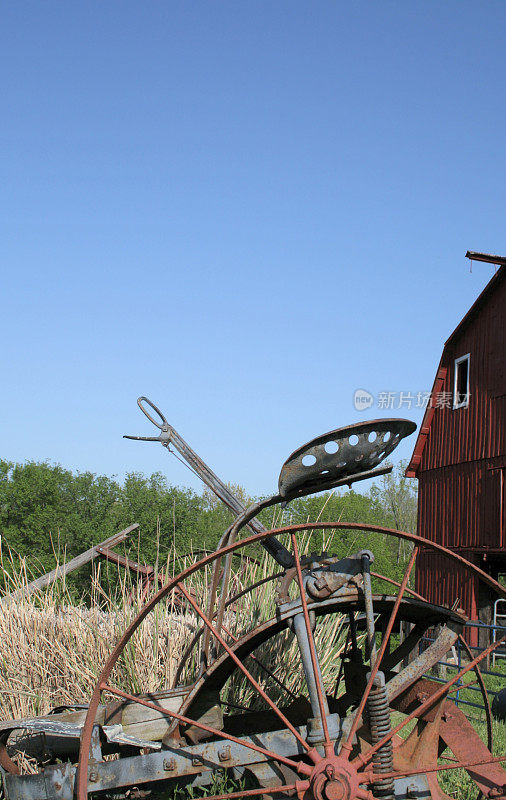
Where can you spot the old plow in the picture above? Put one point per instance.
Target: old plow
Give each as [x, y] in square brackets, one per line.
[297, 684]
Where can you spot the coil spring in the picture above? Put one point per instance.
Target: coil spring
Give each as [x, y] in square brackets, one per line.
[378, 713]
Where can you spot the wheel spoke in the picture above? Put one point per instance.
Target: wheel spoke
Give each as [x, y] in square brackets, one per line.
[484, 693]
[329, 748]
[262, 666]
[347, 746]
[462, 686]
[438, 768]
[252, 792]
[365, 759]
[314, 755]
[396, 583]
[202, 629]
[304, 769]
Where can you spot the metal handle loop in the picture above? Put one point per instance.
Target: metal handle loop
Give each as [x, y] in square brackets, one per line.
[140, 401]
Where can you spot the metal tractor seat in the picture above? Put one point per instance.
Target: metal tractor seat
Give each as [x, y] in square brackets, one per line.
[342, 456]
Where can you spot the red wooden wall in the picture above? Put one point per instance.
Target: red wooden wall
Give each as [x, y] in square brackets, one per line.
[460, 502]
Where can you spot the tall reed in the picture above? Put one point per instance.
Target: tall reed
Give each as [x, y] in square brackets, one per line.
[52, 649]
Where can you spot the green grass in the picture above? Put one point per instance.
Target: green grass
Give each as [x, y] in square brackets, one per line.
[457, 783]
[222, 782]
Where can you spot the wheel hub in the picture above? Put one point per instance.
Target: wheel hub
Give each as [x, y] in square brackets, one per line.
[334, 779]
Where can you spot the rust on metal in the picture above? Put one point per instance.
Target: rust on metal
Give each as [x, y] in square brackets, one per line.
[322, 742]
[341, 455]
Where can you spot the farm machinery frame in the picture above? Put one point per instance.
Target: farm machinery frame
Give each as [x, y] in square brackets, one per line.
[232, 712]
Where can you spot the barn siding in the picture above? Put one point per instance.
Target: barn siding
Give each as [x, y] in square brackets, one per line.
[459, 506]
[497, 439]
[469, 434]
[459, 502]
[444, 582]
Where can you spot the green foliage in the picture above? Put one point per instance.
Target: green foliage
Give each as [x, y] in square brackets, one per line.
[43, 507]
[396, 495]
[47, 512]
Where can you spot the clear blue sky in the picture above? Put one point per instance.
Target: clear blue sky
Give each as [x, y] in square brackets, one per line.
[245, 210]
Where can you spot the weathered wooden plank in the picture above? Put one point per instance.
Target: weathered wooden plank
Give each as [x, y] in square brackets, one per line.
[122, 561]
[106, 714]
[64, 569]
[62, 731]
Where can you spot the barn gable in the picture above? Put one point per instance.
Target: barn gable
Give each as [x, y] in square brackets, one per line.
[451, 435]
[460, 455]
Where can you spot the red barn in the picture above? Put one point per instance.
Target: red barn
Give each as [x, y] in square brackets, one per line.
[460, 456]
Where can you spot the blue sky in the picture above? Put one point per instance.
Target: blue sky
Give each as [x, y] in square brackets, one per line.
[244, 210]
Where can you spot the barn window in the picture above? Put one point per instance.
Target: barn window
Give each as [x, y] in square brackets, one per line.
[461, 382]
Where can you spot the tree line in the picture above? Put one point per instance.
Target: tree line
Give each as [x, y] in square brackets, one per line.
[48, 512]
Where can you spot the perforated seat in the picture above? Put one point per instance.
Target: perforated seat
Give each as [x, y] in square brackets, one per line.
[344, 453]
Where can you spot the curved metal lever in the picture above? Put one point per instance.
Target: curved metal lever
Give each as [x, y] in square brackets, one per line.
[168, 435]
[163, 425]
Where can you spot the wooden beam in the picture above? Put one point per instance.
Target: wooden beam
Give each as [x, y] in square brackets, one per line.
[488, 258]
[127, 563]
[79, 561]
[412, 469]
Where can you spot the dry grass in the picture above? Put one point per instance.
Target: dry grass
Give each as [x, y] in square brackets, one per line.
[52, 650]
[52, 653]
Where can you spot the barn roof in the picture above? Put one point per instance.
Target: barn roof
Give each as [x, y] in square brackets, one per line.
[482, 299]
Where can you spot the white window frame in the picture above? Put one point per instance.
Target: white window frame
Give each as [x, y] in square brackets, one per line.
[458, 361]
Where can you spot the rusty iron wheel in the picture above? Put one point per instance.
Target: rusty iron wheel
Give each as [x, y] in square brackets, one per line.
[316, 772]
